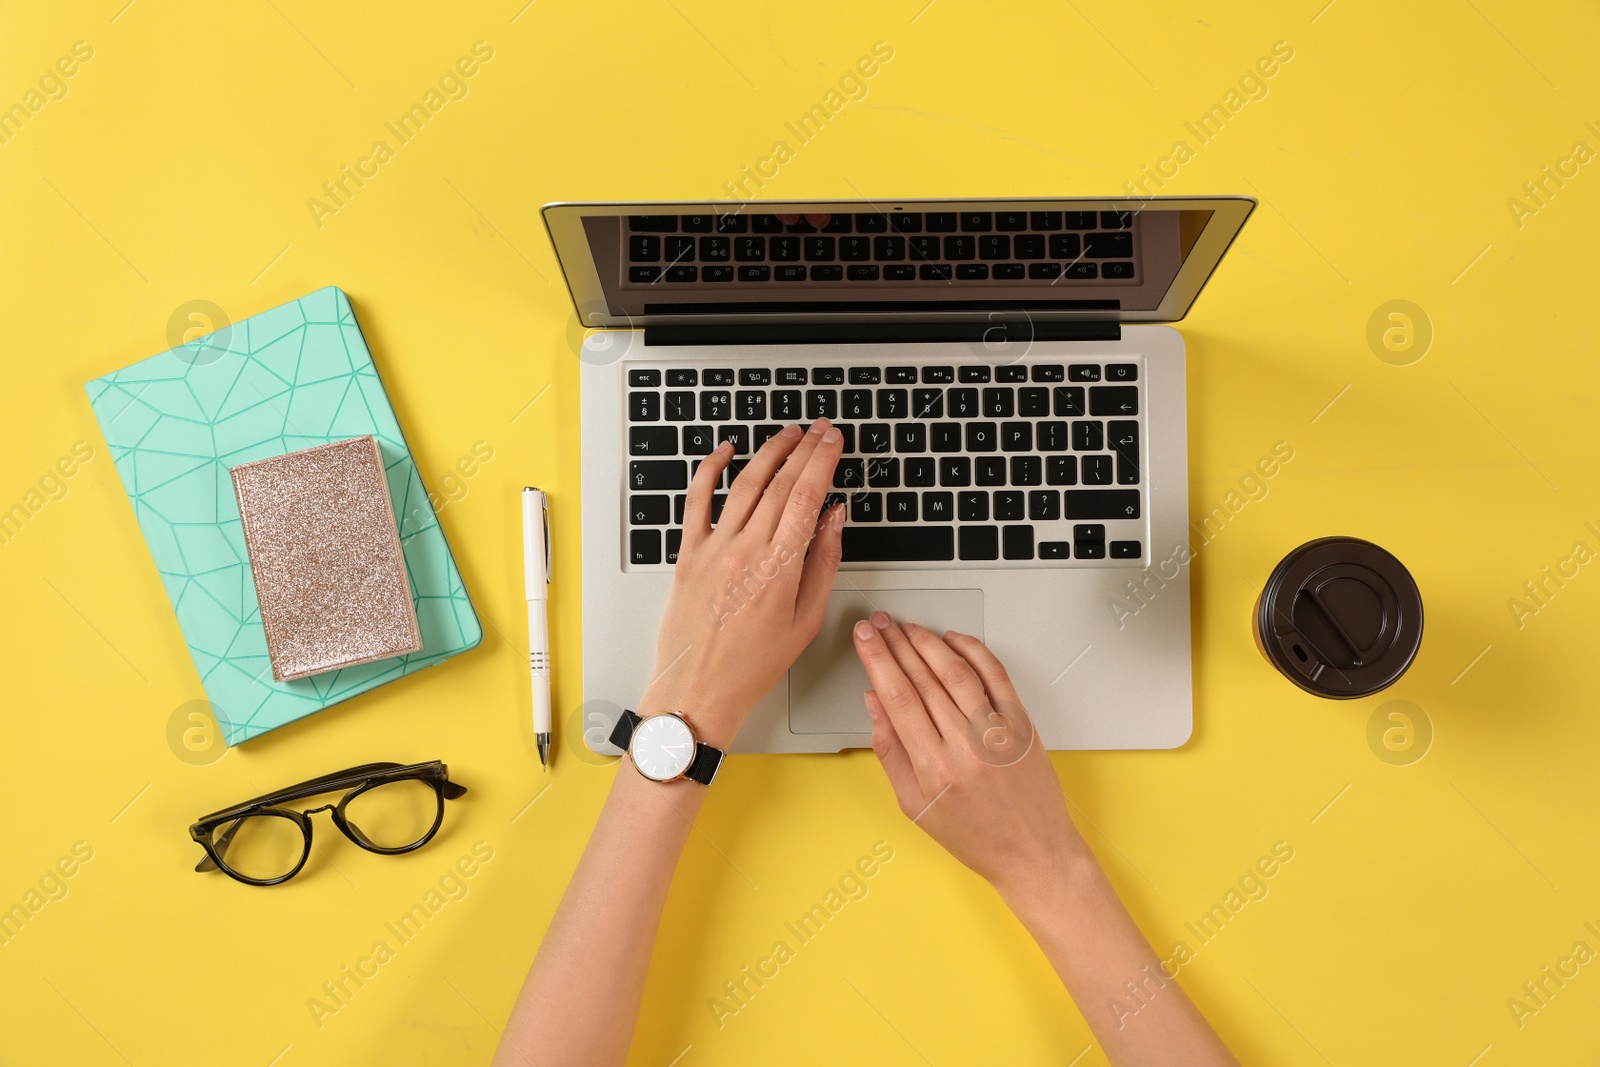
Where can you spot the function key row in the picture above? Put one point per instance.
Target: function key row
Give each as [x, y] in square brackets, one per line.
[890, 222]
[650, 248]
[688, 377]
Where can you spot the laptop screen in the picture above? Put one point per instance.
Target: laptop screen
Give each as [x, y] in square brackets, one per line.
[638, 264]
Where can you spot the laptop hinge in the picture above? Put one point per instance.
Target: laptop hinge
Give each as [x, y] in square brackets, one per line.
[991, 333]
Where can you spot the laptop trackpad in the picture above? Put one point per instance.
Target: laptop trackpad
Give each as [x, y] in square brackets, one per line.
[826, 682]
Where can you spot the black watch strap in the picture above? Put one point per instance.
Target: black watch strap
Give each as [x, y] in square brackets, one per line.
[703, 768]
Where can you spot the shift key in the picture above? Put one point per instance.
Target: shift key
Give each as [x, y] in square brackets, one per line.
[1102, 503]
[657, 474]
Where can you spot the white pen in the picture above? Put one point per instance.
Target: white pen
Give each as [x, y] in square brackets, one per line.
[536, 582]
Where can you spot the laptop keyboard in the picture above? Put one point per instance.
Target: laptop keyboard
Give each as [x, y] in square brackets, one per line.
[860, 250]
[1027, 464]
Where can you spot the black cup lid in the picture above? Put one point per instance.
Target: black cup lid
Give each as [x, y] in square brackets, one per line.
[1340, 617]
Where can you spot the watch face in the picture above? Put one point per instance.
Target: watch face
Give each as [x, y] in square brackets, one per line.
[662, 747]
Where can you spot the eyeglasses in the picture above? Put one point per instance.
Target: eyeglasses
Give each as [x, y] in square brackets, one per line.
[390, 809]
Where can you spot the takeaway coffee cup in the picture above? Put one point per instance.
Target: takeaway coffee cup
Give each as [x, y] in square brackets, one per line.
[1339, 617]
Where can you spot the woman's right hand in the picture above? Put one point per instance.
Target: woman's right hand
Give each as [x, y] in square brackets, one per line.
[962, 755]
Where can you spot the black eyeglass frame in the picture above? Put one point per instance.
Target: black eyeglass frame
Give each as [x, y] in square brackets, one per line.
[363, 778]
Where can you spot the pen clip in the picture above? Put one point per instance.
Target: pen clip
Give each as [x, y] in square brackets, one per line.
[544, 507]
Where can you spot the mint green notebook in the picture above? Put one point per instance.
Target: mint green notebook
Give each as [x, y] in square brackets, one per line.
[290, 378]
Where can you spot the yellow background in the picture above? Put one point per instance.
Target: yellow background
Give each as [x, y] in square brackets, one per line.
[1419, 899]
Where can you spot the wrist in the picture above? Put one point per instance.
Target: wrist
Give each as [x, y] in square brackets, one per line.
[1046, 885]
[711, 720]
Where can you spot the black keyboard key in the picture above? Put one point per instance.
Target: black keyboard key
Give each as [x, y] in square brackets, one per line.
[1049, 372]
[1008, 505]
[1080, 220]
[910, 437]
[1011, 220]
[715, 249]
[1017, 542]
[750, 405]
[1080, 271]
[658, 474]
[750, 249]
[883, 472]
[999, 403]
[644, 378]
[1043, 272]
[920, 472]
[801, 225]
[698, 223]
[1083, 372]
[786, 404]
[679, 249]
[644, 546]
[1011, 372]
[649, 509]
[1123, 438]
[764, 433]
[698, 440]
[924, 248]
[972, 272]
[900, 375]
[1061, 470]
[716, 274]
[848, 433]
[903, 507]
[900, 272]
[1114, 400]
[938, 507]
[1016, 437]
[1102, 503]
[1045, 220]
[960, 247]
[980, 542]
[739, 438]
[893, 403]
[716, 405]
[653, 223]
[644, 407]
[783, 249]
[1126, 550]
[935, 272]
[989, 470]
[938, 375]
[1116, 220]
[674, 545]
[1122, 372]
[1053, 436]
[718, 501]
[643, 275]
[875, 437]
[888, 544]
[1116, 269]
[755, 274]
[850, 473]
[1096, 470]
[972, 505]
[997, 246]
[1069, 400]
[1033, 402]
[888, 249]
[955, 471]
[837, 224]
[790, 274]
[1044, 505]
[822, 404]
[906, 222]
[857, 402]
[682, 376]
[1055, 550]
[1029, 246]
[1064, 246]
[866, 507]
[1108, 246]
[827, 376]
[862, 272]
[679, 406]
[927, 403]
[683, 274]
[976, 221]
[982, 436]
[652, 441]
[732, 224]
[865, 375]
[719, 376]
[855, 249]
[792, 376]
[766, 224]
[945, 437]
[872, 224]
[964, 402]
[820, 249]
[1009, 272]
[1025, 470]
[939, 221]
[1088, 435]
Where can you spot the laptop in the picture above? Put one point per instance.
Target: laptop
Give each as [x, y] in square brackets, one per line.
[1015, 428]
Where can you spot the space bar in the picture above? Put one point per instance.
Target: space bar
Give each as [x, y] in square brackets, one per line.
[881, 544]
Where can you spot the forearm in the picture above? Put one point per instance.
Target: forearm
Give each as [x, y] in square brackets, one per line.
[581, 998]
[1096, 948]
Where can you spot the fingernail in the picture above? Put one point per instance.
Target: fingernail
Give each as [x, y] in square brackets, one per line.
[833, 436]
[819, 426]
[954, 633]
[864, 631]
[791, 430]
[880, 619]
[910, 628]
[726, 446]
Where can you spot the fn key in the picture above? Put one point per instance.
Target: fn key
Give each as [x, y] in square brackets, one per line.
[644, 546]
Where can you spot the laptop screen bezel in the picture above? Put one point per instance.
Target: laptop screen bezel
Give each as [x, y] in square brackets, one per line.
[564, 221]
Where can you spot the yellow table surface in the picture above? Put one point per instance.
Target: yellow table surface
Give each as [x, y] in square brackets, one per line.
[1389, 150]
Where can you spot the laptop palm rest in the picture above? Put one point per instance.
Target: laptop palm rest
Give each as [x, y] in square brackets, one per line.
[826, 682]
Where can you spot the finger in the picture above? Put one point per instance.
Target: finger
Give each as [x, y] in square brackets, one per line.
[697, 506]
[819, 221]
[886, 745]
[770, 510]
[941, 709]
[789, 220]
[952, 671]
[989, 668]
[798, 523]
[899, 699]
[752, 481]
[822, 563]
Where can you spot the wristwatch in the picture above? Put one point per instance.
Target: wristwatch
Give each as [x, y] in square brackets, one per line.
[663, 747]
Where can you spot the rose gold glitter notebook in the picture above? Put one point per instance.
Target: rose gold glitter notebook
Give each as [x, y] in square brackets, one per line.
[330, 577]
